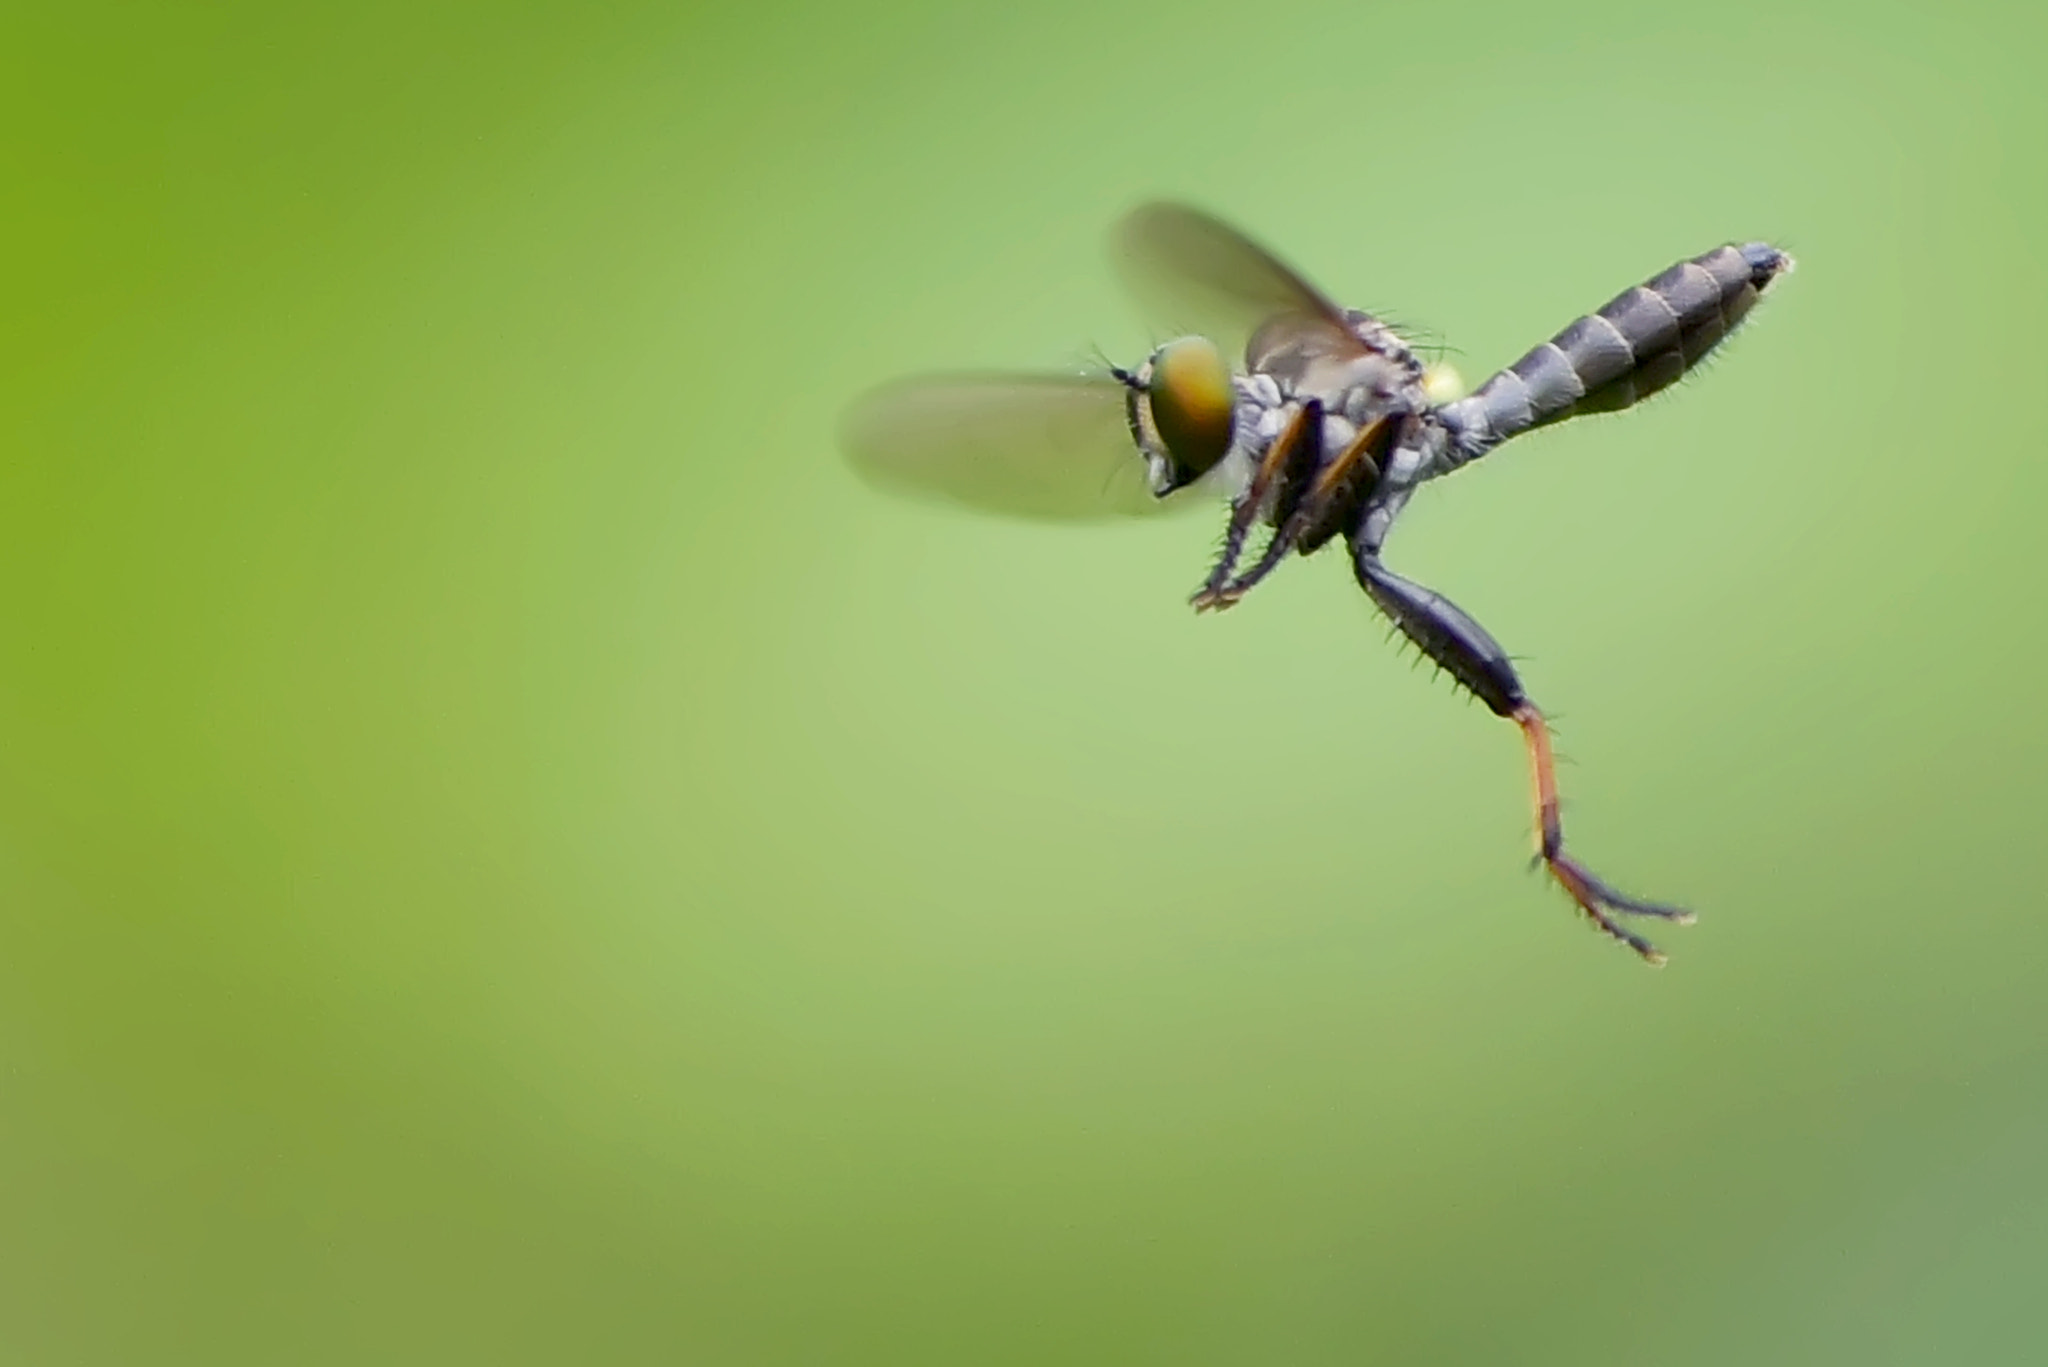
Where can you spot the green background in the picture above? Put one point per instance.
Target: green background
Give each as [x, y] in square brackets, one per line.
[509, 853]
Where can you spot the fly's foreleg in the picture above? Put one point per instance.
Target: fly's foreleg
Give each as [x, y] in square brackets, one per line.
[1281, 475]
[1313, 506]
[1443, 632]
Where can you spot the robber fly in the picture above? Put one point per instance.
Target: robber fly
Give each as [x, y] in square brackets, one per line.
[1323, 434]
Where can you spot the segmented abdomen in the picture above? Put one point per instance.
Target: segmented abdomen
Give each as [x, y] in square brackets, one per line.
[1639, 343]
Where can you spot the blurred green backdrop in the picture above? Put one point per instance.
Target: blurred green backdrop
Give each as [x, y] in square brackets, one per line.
[509, 854]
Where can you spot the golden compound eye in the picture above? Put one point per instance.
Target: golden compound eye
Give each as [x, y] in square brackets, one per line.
[1192, 405]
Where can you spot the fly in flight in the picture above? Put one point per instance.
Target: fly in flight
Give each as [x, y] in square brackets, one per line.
[1322, 434]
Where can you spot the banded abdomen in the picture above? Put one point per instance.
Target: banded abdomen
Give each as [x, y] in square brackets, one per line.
[1639, 343]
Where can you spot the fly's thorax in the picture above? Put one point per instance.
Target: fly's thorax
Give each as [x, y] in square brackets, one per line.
[1361, 369]
[1182, 404]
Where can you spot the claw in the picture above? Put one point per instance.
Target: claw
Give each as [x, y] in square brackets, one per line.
[1216, 599]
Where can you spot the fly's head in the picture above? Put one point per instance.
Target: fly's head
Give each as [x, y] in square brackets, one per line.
[1182, 407]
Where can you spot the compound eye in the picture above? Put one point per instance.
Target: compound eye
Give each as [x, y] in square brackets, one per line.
[1193, 402]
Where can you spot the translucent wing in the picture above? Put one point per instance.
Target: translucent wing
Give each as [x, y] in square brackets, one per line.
[1038, 446]
[1195, 271]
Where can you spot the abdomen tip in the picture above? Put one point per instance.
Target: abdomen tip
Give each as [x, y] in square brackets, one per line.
[1766, 262]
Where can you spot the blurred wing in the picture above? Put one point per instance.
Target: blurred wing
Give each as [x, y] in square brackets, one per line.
[1036, 446]
[1195, 271]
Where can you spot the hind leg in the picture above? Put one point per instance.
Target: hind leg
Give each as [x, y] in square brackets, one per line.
[1448, 636]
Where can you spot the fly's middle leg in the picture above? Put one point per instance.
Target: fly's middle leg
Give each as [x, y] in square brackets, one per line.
[1443, 632]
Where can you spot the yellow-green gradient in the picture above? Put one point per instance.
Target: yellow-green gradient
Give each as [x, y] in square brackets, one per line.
[510, 854]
